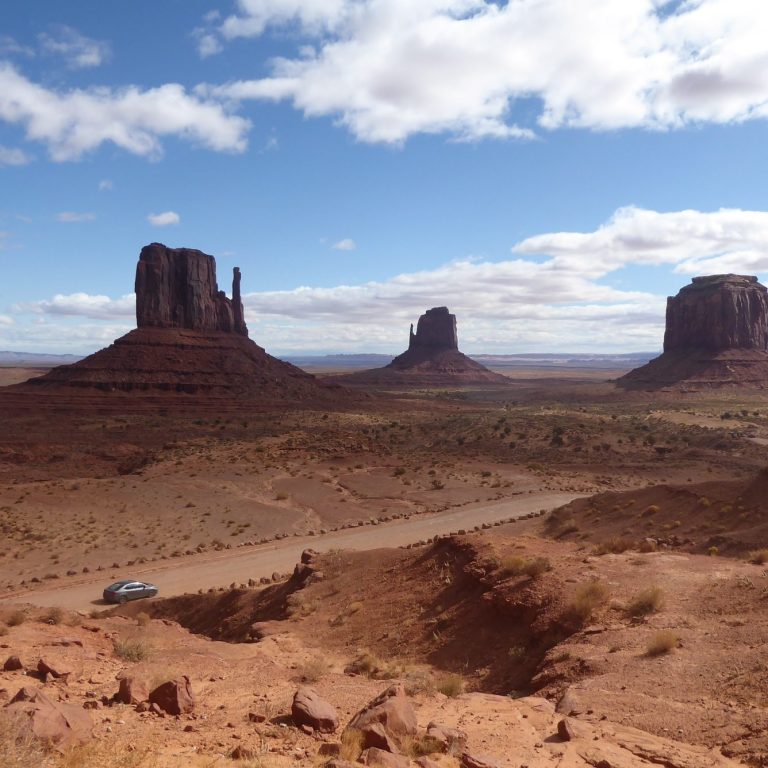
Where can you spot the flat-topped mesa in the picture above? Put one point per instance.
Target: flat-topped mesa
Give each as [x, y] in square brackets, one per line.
[718, 312]
[716, 335]
[435, 330]
[177, 288]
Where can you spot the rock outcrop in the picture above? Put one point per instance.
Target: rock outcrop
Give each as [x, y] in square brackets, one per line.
[177, 288]
[716, 334]
[191, 338]
[432, 359]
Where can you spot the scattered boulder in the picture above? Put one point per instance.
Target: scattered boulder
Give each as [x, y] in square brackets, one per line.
[54, 667]
[386, 720]
[132, 690]
[310, 709]
[569, 729]
[12, 664]
[452, 740]
[27, 693]
[174, 697]
[56, 723]
[380, 757]
[469, 760]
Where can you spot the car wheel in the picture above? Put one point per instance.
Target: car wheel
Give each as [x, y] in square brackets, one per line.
[122, 599]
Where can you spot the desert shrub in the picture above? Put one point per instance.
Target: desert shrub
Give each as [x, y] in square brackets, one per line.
[712, 551]
[421, 746]
[759, 557]
[651, 510]
[524, 566]
[586, 599]
[52, 616]
[18, 746]
[647, 545]
[373, 666]
[646, 601]
[614, 546]
[351, 745]
[19, 616]
[3, 629]
[281, 496]
[314, 669]
[662, 642]
[132, 649]
[450, 685]
[397, 471]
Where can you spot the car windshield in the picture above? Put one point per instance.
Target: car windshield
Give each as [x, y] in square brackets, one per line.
[117, 585]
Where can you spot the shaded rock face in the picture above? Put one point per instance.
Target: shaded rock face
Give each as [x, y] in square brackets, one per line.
[436, 330]
[718, 312]
[177, 288]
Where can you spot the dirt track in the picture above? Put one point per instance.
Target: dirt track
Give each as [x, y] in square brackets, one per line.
[223, 568]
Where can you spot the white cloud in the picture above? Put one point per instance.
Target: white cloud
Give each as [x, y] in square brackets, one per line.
[388, 69]
[5, 320]
[552, 295]
[82, 305]
[347, 244]
[75, 217]
[105, 185]
[165, 219]
[11, 47]
[207, 43]
[77, 50]
[74, 122]
[13, 156]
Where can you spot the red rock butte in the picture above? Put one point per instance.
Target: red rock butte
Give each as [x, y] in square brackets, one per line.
[191, 338]
[432, 359]
[716, 335]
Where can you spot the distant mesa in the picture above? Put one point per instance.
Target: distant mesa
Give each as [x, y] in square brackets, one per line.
[716, 335]
[190, 338]
[432, 359]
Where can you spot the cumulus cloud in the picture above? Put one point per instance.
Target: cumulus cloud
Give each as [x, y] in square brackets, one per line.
[74, 122]
[81, 305]
[13, 156]
[388, 69]
[74, 217]
[165, 219]
[552, 295]
[77, 50]
[105, 185]
[347, 244]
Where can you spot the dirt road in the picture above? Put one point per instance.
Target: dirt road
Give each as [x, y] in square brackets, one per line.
[220, 569]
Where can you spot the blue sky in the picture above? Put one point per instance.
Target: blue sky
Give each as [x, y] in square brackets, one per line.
[549, 169]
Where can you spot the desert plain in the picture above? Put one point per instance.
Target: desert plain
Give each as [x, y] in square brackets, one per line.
[561, 571]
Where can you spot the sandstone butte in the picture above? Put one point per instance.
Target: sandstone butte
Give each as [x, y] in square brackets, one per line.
[716, 335]
[190, 338]
[432, 359]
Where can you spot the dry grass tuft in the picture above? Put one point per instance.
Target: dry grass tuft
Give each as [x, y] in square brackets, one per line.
[647, 601]
[662, 642]
[132, 649]
[759, 557]
[450, 685]
[18, 747]
[523, 566]
[314, 669]
[351, 745]
[587, 598]
[18, 617]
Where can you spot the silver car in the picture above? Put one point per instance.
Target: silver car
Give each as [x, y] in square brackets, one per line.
[128, 589]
